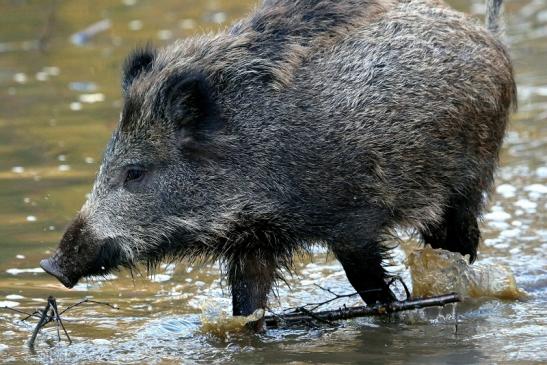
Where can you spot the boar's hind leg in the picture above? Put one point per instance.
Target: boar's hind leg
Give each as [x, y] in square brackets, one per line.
[459, 230]
[363, 267]
[251, 276]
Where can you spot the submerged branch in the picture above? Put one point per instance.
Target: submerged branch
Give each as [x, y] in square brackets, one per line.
[303, 316]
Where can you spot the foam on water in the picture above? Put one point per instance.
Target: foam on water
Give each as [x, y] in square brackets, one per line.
[15, 271]
[8, 303]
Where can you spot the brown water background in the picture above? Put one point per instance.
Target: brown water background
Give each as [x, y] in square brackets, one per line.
[58, 104]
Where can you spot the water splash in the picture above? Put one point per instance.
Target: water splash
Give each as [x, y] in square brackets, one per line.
[218, 320]
[436, 271]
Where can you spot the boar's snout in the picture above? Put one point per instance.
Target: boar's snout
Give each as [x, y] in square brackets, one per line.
[81, 254]
[51, 266]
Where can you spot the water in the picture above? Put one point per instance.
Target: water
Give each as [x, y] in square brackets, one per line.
[59, 100]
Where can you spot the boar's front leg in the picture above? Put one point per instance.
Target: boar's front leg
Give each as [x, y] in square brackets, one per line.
[362, 263]
[251, 276]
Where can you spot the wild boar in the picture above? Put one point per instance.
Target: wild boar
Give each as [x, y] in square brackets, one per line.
[310, 121]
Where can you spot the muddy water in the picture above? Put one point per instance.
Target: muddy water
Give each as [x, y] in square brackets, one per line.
[59, 100]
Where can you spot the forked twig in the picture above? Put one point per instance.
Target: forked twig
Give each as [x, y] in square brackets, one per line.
[51, 314]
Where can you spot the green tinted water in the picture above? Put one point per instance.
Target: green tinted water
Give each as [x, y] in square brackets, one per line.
[58, 104]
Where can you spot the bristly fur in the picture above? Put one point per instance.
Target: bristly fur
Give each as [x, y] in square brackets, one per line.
[308, 121]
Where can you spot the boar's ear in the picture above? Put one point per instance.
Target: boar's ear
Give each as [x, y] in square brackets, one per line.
[140, 60]
[189, 104]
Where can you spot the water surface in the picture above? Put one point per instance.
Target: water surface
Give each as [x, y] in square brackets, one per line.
[60, 99]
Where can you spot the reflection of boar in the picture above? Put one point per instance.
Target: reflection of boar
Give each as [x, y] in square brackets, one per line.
[309, 121]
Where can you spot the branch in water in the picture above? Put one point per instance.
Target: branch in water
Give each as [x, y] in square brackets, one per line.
[302, 316]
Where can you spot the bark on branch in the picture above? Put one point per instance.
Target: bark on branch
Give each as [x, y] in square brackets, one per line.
[303, 316]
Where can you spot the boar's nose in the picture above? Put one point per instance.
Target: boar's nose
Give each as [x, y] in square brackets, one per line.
[51, 266]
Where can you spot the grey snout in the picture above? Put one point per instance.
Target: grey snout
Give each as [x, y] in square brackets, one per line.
[51, 266]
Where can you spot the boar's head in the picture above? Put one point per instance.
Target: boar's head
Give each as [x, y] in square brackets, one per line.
[170, 182]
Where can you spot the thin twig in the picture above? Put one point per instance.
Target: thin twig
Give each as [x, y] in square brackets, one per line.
[336, 297]
[35, 314]
[399, 279]
[89, 301]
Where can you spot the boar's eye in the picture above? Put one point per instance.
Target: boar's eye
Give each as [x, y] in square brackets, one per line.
[134, 174]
